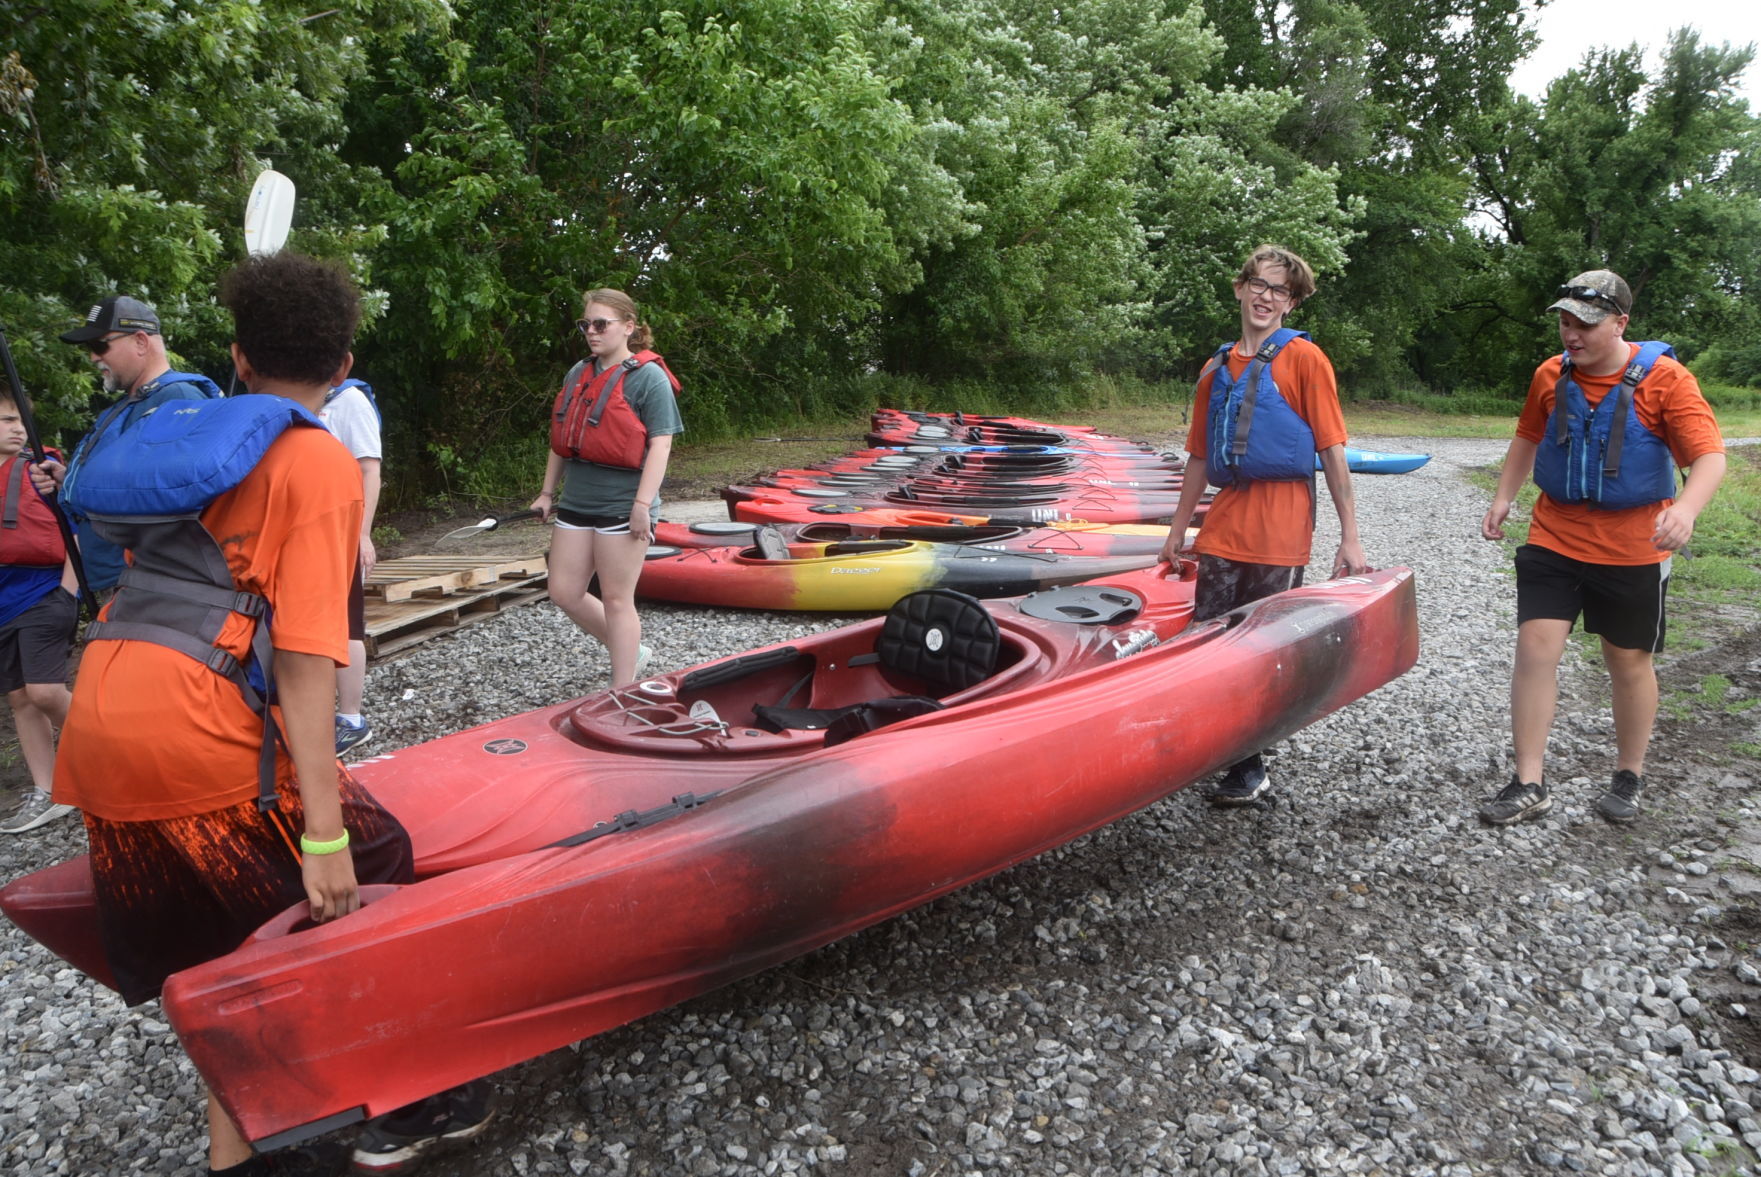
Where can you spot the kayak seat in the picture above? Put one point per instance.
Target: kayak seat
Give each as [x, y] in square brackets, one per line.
[940, 637]
[771, 544]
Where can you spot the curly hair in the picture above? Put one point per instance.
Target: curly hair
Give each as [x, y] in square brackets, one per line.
[641, 338]
[294, 316]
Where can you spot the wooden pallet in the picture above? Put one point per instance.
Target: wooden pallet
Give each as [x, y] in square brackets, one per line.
[439, 576]
[417, 597]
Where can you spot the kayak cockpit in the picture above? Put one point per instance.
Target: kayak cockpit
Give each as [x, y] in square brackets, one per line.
[934, 649]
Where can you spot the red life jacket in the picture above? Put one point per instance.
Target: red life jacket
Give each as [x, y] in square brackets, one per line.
[29, 535]
[592, 421]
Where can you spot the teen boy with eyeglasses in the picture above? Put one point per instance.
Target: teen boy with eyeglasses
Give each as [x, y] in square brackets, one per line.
[1264, 407]
[1605, 528]
[121, 337]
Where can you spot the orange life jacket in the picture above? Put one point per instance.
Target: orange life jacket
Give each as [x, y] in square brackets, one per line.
[592, 420]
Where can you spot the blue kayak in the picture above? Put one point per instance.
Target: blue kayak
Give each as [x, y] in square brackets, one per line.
[1371, 462]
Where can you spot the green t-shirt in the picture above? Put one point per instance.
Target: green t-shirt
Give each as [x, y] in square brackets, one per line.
[591, 489]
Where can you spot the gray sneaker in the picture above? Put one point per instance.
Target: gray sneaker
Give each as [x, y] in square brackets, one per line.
[1620, 804]
[350, 735]
[1516, 802]
[35, 810]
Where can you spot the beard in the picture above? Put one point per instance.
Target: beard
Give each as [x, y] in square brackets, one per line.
[112, 383]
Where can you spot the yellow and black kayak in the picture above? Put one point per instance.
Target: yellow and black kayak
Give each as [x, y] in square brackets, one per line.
[862, 575]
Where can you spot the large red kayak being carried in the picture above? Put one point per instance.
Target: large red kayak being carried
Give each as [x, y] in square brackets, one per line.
[587, 864]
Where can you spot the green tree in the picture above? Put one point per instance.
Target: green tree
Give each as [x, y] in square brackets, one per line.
[133, 136]
[731, 166]
[1645, 176]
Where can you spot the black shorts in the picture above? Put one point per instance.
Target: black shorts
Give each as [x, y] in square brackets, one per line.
[358, 605]
[34, 645]
[1623, 603]
[176, 892]
[1229, 584]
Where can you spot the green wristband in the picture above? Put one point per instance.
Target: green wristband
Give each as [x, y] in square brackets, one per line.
[330, 847]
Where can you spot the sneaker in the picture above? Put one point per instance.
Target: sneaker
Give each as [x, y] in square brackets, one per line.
[351, 735]
[644, 655]
[390, 1142]
[35, 810]
[1620, 804]
[1516, 802]
[1243, 784]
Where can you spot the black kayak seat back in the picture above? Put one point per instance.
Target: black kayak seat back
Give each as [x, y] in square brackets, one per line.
[771, 544]
[943, 638]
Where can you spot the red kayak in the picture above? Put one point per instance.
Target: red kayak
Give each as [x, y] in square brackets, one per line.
[587, 864]
[1072, 539]
[1095, 504]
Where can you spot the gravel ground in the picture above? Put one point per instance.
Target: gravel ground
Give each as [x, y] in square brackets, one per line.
[1354, 978]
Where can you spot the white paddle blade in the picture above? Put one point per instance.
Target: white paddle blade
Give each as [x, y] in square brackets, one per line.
[269, 213]
[473, 529]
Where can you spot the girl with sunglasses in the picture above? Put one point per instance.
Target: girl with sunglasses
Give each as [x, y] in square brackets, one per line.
[611, 434]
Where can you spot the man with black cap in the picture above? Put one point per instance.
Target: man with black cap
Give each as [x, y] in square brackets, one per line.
[1605, 427]
[121, 337]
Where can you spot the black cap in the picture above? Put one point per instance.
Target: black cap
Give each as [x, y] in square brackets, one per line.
[117, 313]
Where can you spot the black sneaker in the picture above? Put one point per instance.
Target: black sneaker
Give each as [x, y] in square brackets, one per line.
[1518, 801]
[1243, 784]
[1620, 804]
[390, 1142]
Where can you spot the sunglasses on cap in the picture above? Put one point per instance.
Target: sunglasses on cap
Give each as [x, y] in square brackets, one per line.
[1590, 294]
[596, 326]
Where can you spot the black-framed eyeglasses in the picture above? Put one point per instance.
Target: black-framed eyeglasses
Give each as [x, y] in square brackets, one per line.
[99, 346]
[1276, 293]
[1590, 294]
[596, 326]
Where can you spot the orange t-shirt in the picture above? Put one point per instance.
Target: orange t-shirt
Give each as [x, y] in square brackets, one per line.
[1271, 522]
[153, 733]
[1670, 405]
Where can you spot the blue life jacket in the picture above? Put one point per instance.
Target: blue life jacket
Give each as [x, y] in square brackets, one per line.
[1252, 433]
[148, 496]
[366, 390]
[102, 559]
[1585, 457]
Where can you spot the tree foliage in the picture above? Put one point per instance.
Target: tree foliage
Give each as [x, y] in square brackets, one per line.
[1010, 191]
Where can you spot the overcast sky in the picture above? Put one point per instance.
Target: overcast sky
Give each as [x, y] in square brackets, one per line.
[1570, 28]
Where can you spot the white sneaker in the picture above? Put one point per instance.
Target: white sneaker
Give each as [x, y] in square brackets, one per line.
[35, 810]
[644, 655]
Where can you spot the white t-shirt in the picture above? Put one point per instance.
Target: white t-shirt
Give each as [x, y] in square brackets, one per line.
[355, 422]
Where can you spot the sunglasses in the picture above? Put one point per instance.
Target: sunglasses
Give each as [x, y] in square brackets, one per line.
[99, 346]
[1590, 294]
[596, 326]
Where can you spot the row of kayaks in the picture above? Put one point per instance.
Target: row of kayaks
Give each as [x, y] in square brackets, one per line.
[590, 862]
[989, 506]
